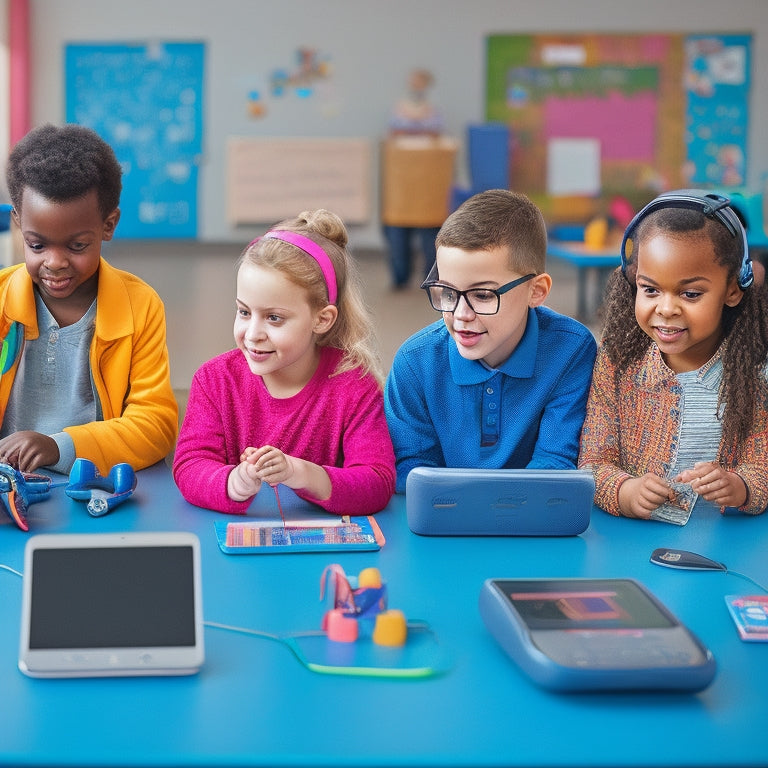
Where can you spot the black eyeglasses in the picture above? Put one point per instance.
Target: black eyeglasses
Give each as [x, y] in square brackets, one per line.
[482, 301]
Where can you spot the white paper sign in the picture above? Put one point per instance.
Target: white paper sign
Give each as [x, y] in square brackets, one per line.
[573, 167]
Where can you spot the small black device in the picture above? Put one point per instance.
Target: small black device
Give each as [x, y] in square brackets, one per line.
[682, 558]
[593, 634]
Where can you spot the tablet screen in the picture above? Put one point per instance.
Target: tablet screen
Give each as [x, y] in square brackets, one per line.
[112, 598]
[583, 604]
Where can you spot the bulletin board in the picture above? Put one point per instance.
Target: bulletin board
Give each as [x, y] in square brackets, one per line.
[593, 115]
[146, 101]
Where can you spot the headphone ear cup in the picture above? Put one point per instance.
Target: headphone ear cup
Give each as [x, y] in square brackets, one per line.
[746, 276]
[627, 250]
[627, 247]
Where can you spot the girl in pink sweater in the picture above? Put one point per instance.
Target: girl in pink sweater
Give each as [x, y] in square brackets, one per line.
[299, 402]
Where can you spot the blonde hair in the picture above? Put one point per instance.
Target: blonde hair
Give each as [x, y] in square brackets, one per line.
[353, 330]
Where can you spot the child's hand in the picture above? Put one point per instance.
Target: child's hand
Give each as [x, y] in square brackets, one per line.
[243, 481]
[273, 466]
[639, 496]
[270, 464]
[27, 451]
[716, 484]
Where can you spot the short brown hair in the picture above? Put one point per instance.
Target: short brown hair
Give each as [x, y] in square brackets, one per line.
[499, 218]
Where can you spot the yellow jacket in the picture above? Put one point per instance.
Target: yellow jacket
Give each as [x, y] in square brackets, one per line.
[129, 367]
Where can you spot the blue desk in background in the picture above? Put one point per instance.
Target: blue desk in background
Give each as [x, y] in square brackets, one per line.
[601, 261]
[5, 225]
[253, 703]
[5, 216]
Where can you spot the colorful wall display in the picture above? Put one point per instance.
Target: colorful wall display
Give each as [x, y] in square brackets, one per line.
[717, 80]
[594, 116]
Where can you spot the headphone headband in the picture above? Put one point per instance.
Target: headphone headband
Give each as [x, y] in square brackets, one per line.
[713, 205]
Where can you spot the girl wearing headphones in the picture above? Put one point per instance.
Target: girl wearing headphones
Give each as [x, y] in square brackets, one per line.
[677, 417]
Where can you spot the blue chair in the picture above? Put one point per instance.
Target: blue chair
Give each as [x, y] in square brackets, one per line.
[488, 157]
[460, 195]
[749, 206]
[570, 232]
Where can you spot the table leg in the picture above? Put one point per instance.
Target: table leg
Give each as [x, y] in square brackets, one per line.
[581, 287]
[603, 275]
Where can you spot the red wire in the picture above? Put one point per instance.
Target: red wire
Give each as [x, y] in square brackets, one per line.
[279, 505]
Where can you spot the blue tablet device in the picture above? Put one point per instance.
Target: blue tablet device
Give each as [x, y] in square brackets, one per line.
[446, 501]
[594, 634]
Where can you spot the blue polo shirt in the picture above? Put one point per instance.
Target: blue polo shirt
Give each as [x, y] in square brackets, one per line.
[446, 411]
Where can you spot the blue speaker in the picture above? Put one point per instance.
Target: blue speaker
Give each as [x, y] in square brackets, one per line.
[711, 204]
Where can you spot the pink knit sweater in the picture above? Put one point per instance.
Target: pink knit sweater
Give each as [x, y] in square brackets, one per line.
[335, 421]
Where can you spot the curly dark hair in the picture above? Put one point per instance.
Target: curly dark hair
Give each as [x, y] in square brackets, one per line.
[64, 163]
[745, 326]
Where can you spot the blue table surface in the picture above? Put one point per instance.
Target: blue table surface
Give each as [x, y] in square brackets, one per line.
[253, 703]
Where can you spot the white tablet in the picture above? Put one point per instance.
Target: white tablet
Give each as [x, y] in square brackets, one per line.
[98, 605]
[443, 501]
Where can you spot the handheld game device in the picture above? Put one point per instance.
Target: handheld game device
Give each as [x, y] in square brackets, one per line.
[593, 634]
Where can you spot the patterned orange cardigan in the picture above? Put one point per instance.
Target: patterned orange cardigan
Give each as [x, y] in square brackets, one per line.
[633, 428]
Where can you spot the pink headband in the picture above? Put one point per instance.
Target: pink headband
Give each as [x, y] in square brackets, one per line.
[311, 248]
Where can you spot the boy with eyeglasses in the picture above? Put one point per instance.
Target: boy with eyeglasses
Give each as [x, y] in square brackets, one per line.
[501, 381]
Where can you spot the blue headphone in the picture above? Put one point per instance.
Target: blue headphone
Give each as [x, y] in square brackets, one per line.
[711, 204]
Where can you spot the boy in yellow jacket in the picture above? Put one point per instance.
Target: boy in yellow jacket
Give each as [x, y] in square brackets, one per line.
[84, 360]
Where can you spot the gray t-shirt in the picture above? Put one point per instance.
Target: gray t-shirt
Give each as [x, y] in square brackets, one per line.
[53, 388]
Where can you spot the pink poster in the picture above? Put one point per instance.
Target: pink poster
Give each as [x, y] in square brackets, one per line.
[624, 123]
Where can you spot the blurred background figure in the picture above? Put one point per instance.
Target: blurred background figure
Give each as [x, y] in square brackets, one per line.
[413, 115]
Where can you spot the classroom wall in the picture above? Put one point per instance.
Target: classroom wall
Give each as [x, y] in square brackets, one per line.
[371, 47]
[5, 123]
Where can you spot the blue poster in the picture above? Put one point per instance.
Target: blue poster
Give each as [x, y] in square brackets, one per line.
[717, 80]
[147, 102]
